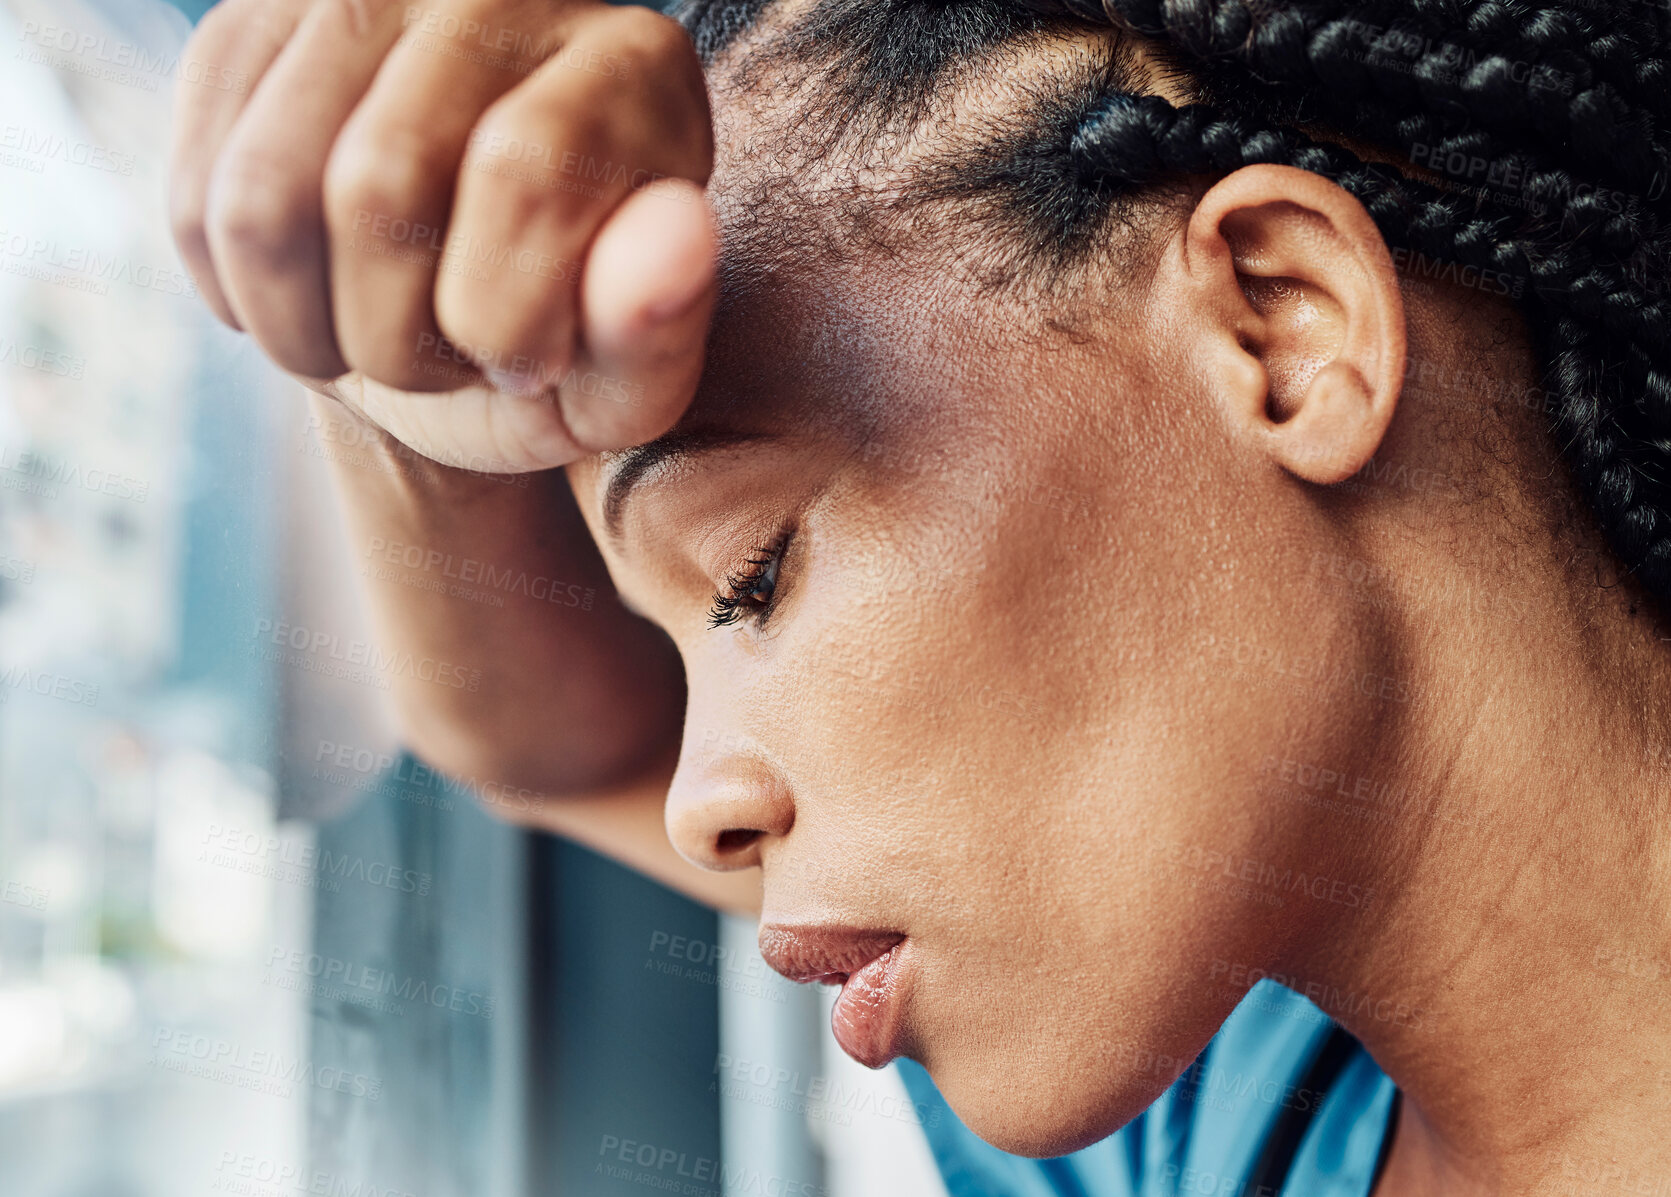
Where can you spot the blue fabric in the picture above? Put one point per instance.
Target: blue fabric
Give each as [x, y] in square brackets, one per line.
[1203, 1136]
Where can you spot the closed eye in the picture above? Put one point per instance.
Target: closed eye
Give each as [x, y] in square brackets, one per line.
[749, 591]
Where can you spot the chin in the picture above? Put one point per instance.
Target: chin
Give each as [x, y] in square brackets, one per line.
[1017, 1109]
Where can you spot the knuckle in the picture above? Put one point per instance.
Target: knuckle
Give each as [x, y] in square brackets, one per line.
[187, 212]
[503, 310]
[534, 188]
[218, 26]
[209, 57]
[518, 207]
[493, 338]
[465, 320]
[516, 114]
[654, 102]
[532, 154]
[370, 10]
[257, 205]
[648, 36]
[386, 172]
[530, 123]
[231, 25]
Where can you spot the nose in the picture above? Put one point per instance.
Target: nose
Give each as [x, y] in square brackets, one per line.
[726, 802]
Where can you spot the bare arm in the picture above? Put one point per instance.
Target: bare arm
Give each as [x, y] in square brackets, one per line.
[574, 727]
[390, 215]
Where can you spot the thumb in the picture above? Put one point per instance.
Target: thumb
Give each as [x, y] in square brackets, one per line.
[646, 299]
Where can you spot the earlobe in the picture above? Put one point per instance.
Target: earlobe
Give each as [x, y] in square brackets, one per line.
[1305, 320]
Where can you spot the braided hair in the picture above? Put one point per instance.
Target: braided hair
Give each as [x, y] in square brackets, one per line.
[1535, 137]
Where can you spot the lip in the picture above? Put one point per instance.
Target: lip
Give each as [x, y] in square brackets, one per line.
[867, 964]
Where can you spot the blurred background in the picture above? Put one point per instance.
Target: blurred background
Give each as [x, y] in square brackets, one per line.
[248, 945]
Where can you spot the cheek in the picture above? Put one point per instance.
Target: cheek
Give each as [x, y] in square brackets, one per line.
[946, 717]
[1029, 743]
[913, 683]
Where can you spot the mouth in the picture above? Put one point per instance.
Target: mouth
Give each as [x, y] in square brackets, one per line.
[868, 965]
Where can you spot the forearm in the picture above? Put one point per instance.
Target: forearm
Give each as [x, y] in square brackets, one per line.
[553, 685]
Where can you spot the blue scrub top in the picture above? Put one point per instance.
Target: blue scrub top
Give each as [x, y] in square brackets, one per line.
[1281, 1103]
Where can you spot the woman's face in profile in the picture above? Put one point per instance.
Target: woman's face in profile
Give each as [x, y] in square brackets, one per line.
[953, 594]
[1116, 548]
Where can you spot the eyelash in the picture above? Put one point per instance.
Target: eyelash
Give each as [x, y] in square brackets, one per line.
[735, 600]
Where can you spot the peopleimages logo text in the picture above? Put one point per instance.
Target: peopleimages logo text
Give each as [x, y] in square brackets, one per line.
[363, 653]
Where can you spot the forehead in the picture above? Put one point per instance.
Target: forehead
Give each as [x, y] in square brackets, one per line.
[801, 354]
[830, 321]
[820, 361]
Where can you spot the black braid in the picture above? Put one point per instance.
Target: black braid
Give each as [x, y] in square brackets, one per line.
[1591, 269]
[1411, 73]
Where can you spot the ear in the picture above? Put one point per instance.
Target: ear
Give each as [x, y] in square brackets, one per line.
[1304, 322]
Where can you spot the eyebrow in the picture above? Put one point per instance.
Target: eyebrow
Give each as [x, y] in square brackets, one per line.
[628, 469]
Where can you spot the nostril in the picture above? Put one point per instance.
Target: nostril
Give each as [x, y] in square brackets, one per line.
[735, 839]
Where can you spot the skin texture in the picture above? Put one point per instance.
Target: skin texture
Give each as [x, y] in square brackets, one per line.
[1082, 599]
[1086, 602]
[1140, 672]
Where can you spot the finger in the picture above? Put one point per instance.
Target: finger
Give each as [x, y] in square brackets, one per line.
[646, 301]
[389, 185]
[546, 166]
[266, 217]
[236, 42]
[648, 294]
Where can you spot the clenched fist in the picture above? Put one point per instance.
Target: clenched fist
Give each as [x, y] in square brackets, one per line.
[480, 223]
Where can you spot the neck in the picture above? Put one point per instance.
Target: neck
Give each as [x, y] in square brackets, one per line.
[1528, 896]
